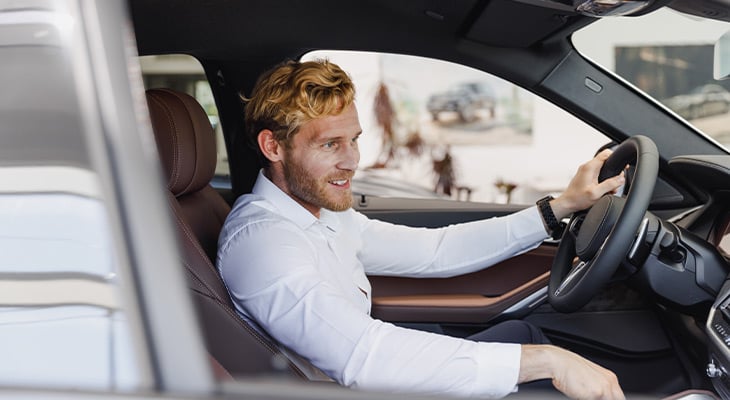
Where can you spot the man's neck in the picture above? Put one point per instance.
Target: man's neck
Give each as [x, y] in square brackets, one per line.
[281, 184]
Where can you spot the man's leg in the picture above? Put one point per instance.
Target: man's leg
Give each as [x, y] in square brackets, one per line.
[516, 331]
[513, 331]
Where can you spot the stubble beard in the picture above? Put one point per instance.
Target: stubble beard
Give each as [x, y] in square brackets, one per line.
[311, 190]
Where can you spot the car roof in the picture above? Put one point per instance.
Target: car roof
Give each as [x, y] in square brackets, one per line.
[263, 32]
[215, 28]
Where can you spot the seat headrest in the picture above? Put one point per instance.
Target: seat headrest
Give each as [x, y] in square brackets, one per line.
[185, 140]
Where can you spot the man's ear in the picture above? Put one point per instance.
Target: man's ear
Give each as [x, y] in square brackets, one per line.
[269, 146]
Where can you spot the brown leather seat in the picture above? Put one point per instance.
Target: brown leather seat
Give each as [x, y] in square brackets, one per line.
[186, 143]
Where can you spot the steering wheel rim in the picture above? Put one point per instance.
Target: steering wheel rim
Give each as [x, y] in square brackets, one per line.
[601, 236]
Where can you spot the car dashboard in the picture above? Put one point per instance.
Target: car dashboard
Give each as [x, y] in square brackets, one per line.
[718, 329]
[718, 323]
[711, 175]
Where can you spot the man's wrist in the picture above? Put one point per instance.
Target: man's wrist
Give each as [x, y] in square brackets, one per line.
[535, 363]
[552, 222]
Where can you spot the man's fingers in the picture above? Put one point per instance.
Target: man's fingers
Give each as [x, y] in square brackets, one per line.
[603, 155]
[596, 163]
[610, 184]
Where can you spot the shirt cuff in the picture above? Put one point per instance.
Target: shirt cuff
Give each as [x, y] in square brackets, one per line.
[498, 369]
[529, 225]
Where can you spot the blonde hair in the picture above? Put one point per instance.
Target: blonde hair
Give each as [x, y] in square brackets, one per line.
[294, 93]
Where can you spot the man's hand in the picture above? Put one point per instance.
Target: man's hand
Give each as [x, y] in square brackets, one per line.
[571, 374]
[584, 190]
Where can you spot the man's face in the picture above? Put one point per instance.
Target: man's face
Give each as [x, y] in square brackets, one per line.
[320, 161]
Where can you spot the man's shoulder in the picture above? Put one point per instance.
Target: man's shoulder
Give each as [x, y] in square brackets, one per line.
[264, 239]
[251, 206]
[252, 210]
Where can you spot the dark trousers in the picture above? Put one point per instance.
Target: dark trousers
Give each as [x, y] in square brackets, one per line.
[516, 331]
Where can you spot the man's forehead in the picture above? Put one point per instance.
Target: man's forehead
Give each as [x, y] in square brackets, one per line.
[334, 126]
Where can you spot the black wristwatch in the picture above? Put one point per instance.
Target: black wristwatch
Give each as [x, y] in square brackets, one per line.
[552, 223]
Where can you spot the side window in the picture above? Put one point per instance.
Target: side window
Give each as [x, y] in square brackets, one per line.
[64, 292]
[184, 73]
[438, 129]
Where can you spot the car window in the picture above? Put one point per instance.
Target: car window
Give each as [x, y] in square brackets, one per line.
[669, 56]
[460, 132]
[65, 319]
[184, 73]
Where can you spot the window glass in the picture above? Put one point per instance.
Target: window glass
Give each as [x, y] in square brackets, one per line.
[63, 321]
[458, 132]
[185, 74]
[669, 56]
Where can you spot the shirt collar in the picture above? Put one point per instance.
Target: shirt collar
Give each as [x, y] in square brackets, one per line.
[289, 208]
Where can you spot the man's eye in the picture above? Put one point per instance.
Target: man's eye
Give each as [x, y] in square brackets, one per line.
[329, 145]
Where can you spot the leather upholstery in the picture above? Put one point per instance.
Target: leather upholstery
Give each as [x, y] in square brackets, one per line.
[185, 140]
[186, 143]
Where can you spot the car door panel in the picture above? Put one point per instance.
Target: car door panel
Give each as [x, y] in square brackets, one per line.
[428, 213]
[474, 298]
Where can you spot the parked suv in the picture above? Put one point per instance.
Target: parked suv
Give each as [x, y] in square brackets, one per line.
[465, 99]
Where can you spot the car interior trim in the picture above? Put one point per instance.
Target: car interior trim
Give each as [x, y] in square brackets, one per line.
[452, 307]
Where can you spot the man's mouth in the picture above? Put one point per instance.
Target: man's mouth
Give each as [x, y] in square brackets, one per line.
[340, 182]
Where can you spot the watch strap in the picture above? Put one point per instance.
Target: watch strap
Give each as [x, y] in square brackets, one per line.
[552, 223]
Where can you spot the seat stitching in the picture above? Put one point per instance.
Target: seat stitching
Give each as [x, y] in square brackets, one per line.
[256, 335]
[175, 173]
[189, 114]
[190, 237]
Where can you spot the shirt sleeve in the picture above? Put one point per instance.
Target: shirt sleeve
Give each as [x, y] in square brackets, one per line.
[281, 289]
[389, 249]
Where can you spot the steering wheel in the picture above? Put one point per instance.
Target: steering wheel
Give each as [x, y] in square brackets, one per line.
[600, 237]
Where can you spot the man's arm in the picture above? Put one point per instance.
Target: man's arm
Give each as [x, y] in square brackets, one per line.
[389, 249]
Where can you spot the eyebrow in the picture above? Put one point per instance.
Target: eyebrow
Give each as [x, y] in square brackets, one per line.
[326, 138]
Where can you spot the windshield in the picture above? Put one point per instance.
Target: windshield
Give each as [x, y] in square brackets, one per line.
[669, 56]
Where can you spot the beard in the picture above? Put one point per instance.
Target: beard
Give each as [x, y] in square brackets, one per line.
[312, 190]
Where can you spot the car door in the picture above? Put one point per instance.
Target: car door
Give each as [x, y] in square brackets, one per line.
[510, 289]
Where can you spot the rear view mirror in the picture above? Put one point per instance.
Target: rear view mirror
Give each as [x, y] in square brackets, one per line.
[721, 67]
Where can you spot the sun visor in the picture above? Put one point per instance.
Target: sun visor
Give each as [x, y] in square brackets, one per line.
[497, 25]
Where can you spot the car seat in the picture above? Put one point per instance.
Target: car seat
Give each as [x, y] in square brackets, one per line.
[186, 145]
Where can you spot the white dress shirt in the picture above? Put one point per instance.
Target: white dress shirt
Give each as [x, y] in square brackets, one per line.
[303, 280]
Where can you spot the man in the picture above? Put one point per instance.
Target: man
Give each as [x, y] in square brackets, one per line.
[294, 256]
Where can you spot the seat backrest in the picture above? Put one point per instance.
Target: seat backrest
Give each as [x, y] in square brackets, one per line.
[186, 143]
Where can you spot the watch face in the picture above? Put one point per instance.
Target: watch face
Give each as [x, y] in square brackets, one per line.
[545, 199]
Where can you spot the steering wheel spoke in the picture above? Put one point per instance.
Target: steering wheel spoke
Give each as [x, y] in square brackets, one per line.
[575, 272]
[575, 223]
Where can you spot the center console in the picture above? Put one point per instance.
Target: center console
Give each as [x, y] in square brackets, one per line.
[718, 330]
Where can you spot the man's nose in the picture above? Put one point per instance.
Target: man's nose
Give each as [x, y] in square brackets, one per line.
[350, 157]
